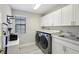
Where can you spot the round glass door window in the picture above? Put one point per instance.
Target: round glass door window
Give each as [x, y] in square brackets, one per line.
[43, 42]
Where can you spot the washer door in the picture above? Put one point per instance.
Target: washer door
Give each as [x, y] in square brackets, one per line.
[43, 42]
[37, 37]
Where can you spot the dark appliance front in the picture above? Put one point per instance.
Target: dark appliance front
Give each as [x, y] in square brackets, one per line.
[44, 42]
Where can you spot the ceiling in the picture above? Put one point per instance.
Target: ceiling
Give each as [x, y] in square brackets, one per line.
[43, 9]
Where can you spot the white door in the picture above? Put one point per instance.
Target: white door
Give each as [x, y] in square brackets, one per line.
[42, 21]
[46, 20]
[52, 19]
[70, 51]
[57, 18]
[57, 48]
[67, 15]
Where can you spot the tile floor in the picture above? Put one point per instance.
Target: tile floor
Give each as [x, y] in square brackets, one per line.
[32, 49]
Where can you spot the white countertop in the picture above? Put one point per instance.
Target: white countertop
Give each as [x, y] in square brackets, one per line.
[68, 40]
[50, 31]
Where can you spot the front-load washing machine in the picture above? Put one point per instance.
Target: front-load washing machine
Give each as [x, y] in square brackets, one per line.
[44, 41]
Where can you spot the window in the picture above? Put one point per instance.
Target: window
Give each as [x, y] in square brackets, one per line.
[20, 24]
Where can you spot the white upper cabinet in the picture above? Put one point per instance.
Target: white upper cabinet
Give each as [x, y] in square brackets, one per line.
[67, 15]
[76, 14]
[57, 18]
[46, 21]
[43, 21]
[52, 19]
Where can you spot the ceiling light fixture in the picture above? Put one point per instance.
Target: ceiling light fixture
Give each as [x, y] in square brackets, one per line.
[36, 6]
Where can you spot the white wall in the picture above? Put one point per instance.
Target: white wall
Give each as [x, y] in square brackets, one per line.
[4, 10]
[32, 25]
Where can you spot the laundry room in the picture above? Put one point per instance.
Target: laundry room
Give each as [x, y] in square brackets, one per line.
[39, 29]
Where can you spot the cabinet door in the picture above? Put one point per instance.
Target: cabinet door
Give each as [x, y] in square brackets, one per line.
[52, 19]
[57, 48]
[46, 21]
[43, 21]
[76, 7]
[67, 15]
[56, 18]
[13, 50]
[70, 51]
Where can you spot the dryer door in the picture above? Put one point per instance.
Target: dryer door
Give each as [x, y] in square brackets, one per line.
[43, 42]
